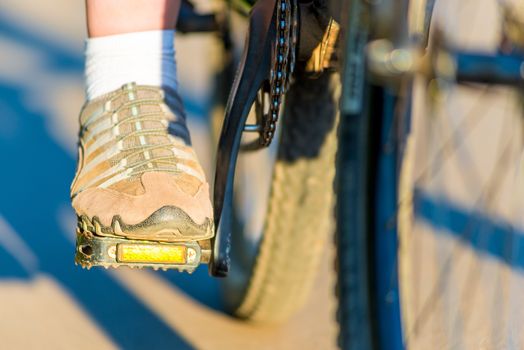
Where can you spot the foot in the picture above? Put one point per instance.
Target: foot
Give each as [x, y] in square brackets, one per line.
[138, 176]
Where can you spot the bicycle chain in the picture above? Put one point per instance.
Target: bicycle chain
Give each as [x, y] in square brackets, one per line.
[283, 65]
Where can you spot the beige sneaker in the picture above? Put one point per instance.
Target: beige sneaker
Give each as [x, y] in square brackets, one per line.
[135, 179]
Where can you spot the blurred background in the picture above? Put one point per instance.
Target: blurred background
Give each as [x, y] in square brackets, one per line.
[46, 302]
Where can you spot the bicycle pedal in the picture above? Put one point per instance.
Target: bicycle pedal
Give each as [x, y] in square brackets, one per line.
[115, 252]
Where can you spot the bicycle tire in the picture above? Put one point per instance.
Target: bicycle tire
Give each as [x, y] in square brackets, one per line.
[275, 284]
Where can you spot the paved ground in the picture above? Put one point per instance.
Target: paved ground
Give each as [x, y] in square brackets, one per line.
[45, 301]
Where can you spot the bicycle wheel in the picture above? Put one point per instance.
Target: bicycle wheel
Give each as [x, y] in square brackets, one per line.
[275, 254]
[283, 195]
[428, 233]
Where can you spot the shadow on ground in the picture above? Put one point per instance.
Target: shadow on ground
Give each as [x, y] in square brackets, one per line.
[34, 202]
[496, 238]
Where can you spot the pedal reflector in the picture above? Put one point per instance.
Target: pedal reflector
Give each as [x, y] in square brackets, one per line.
[149, 253]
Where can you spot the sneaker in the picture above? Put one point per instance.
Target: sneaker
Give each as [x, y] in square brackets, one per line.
[138, 176]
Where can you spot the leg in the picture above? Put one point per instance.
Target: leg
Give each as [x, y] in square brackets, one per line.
[130, 40]
[110, 17]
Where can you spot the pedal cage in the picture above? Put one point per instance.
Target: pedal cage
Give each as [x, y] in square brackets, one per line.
[115, 251]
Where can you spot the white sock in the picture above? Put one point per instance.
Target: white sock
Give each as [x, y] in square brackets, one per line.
[146, 58]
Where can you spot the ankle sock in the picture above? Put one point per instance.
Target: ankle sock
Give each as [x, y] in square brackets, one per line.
[146, 58]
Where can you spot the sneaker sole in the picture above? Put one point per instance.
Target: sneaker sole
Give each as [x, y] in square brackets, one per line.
[167, 224]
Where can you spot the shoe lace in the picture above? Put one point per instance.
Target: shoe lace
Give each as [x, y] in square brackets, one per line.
[153, 159]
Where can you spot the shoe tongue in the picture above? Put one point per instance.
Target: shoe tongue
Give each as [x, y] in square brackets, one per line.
[149, 100]
[114, 100]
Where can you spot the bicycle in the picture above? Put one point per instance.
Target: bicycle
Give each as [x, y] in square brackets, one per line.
[385, 63]
[383, 68]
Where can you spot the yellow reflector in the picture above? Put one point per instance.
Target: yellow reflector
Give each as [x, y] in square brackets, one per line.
[144, 253]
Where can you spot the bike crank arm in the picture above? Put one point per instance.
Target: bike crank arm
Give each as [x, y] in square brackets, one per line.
[253, 71]
[115, 252]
